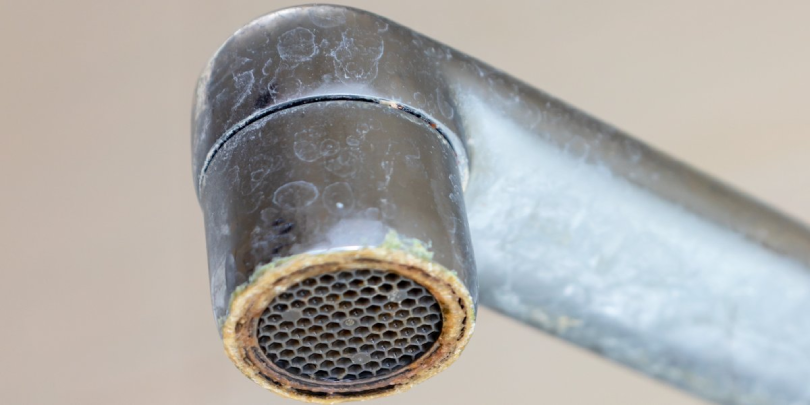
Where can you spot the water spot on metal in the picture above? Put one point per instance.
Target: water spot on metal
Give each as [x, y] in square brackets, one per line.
[329, 147]
[357, 57]
[354, 140]
[267, 66]
[256, 178]
[338, 198]
[295, 195]
[297, 45]
[344, 164]
[306, 146]
[272, 89]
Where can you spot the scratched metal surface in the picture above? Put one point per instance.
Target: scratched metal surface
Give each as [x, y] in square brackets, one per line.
[588, 256]
[100, 219]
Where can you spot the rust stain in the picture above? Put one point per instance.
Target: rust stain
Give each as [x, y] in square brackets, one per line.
[248, 304]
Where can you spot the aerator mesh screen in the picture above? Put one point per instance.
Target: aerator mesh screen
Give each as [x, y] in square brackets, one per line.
[349, 325]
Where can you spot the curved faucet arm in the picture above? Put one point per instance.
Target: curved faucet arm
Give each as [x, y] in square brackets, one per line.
[578, 229]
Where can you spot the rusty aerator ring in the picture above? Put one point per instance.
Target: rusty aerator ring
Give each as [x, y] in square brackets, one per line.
[248, 305]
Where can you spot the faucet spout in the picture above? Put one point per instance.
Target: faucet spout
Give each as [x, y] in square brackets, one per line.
[337, 157]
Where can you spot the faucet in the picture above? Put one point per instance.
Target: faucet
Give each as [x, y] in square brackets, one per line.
[360, 182]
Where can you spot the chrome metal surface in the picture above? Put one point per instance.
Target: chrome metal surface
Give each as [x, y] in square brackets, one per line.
[326, 176]
[578, 229]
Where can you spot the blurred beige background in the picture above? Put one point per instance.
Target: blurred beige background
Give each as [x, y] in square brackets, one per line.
[103, 289]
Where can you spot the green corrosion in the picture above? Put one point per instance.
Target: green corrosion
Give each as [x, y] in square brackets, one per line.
[260, 270]
[413, 246]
